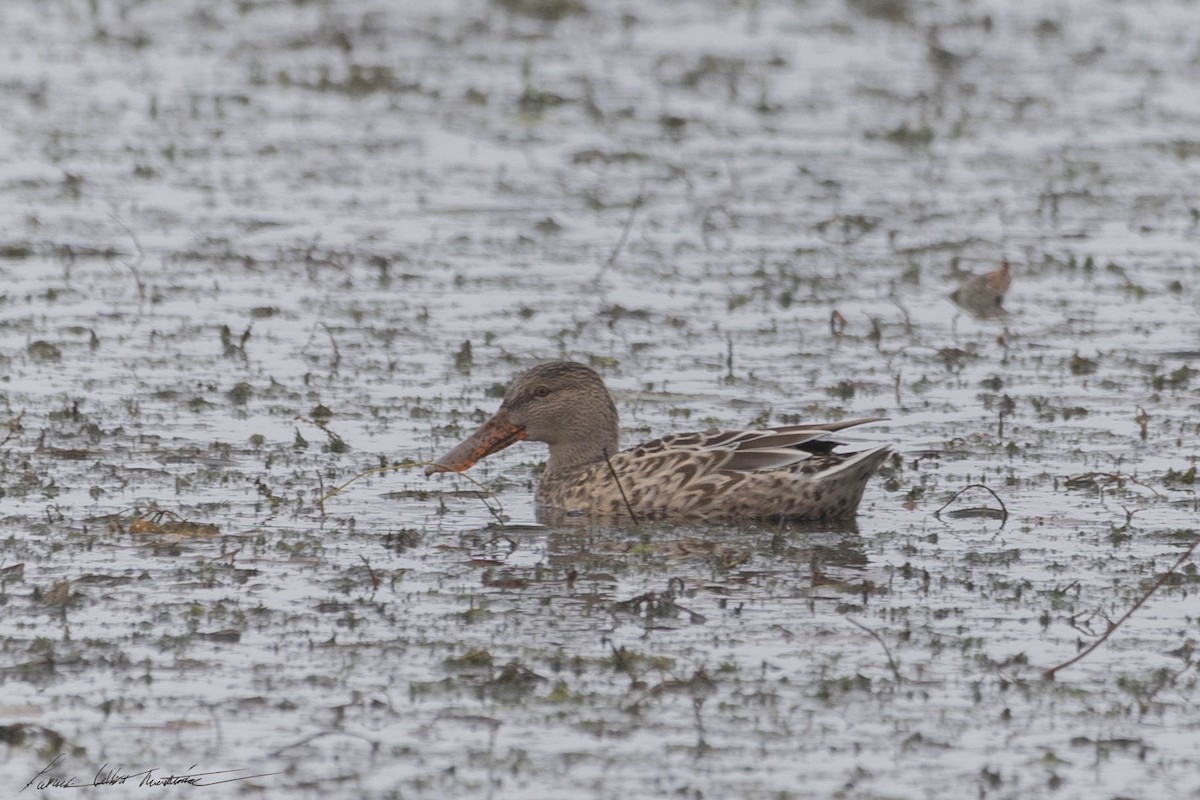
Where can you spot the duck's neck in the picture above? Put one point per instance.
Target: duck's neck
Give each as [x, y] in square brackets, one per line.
[571, 453]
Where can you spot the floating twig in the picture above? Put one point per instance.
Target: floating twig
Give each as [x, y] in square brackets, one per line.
[370, 573]
[372, 471]
[309, 738]
[1050, 673]
[988, 489]
[883, 644]
[155, 521]
[512, 544]
[485, 495]
[837, 323]
[621, 489]
[616, 251]
[1102, 480]
[141, 256]
[651, 605]
[337, 356]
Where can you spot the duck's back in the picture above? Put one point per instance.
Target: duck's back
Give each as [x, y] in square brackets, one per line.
[783, 473]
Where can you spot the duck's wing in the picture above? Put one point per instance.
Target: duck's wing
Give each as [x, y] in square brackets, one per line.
[747, 450]
[790, 471]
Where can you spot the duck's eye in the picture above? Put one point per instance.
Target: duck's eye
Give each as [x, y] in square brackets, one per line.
[541, 391]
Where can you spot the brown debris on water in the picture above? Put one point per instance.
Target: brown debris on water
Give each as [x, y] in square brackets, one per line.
[159, 522]
[837, 323]
[983, 295]
[59, 594]
[545, 10]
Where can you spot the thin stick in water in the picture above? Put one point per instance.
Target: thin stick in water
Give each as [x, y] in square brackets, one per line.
[633, 209]
[883, 644]
[621, 489]
[1003, 508]
[1050, 673]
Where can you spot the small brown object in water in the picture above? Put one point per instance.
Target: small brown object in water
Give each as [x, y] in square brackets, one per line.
[983, 295]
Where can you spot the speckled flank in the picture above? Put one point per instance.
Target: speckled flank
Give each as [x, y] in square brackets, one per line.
[694, 486]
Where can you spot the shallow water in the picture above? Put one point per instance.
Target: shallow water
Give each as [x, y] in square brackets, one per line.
[680, 194]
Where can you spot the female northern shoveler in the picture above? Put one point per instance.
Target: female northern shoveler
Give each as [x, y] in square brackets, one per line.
[790, 472]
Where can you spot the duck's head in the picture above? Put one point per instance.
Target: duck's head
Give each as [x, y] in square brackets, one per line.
[562, 403]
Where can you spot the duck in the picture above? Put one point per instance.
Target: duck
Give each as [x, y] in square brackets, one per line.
[790, 472]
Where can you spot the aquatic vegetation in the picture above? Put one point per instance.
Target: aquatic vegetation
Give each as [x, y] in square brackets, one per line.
[262, 261]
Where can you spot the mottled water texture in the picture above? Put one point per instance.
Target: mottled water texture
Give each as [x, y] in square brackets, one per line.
[249, 250]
